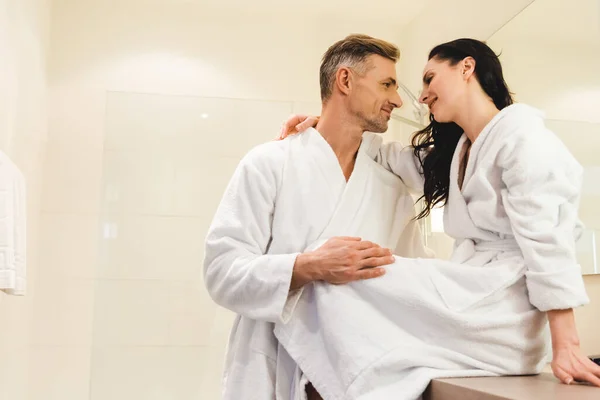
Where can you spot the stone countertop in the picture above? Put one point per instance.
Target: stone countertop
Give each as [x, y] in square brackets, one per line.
[540, 387]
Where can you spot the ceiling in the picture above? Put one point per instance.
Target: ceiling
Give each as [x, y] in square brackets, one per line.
[550, 55]
[391, 11]
[574, 22]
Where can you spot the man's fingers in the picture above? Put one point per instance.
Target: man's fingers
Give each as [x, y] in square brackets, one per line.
[348, 238]
[368, 273]
[375, 252]
[365, 244]
[376, 261]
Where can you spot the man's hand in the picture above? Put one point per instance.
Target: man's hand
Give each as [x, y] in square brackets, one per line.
[341, 260]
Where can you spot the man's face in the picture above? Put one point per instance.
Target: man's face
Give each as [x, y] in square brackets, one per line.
[375, 94]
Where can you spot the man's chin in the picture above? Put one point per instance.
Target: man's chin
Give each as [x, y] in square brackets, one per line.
[378, 128]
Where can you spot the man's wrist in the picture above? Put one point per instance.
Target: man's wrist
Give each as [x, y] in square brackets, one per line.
[305, 271]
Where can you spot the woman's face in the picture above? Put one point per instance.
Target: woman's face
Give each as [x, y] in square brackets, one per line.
[444, 88]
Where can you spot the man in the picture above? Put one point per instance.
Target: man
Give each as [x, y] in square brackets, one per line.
[275, 230]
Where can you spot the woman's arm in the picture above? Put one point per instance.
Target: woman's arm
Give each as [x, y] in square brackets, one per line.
[393, 156]
[568, 363]
[297, 123]
[541, 197]
[401, 161]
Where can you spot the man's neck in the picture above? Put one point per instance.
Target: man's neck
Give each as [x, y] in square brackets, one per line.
[343, 136]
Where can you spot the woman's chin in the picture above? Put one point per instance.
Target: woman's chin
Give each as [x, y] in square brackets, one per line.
[440, 118]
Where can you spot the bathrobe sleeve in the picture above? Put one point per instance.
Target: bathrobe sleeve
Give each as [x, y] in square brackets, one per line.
[541, 198]
[401, 160]
[238, 273]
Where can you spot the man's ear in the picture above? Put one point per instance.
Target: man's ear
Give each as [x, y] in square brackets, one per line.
[343, 80]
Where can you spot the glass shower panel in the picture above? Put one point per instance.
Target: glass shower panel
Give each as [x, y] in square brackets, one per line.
[167, 161]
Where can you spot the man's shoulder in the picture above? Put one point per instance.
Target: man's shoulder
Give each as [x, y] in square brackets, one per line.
[266, 156]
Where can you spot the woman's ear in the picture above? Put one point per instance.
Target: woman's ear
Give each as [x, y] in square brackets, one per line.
[468, 67]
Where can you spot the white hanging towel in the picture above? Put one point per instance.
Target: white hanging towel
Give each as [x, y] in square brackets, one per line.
[12, 228]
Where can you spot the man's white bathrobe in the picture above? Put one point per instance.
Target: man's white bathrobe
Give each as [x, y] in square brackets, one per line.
[283, 197]
[481, 313]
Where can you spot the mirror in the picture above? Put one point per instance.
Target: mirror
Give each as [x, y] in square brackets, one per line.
[550, 53]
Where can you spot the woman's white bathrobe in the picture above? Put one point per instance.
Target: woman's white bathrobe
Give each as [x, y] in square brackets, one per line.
[481, 313]
[284, 196]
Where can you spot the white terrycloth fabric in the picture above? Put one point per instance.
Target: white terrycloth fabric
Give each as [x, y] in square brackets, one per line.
[479, 314]
[280, 200]
[12, 228]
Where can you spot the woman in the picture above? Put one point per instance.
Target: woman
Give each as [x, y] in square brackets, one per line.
[511, 191]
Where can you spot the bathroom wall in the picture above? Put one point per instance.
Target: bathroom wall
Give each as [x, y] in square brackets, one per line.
[129, 317]
[24, 34]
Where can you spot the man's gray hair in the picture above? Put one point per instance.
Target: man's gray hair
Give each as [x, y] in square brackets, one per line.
[352, 52]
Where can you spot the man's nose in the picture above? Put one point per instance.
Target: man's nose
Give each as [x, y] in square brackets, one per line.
[396, 101]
